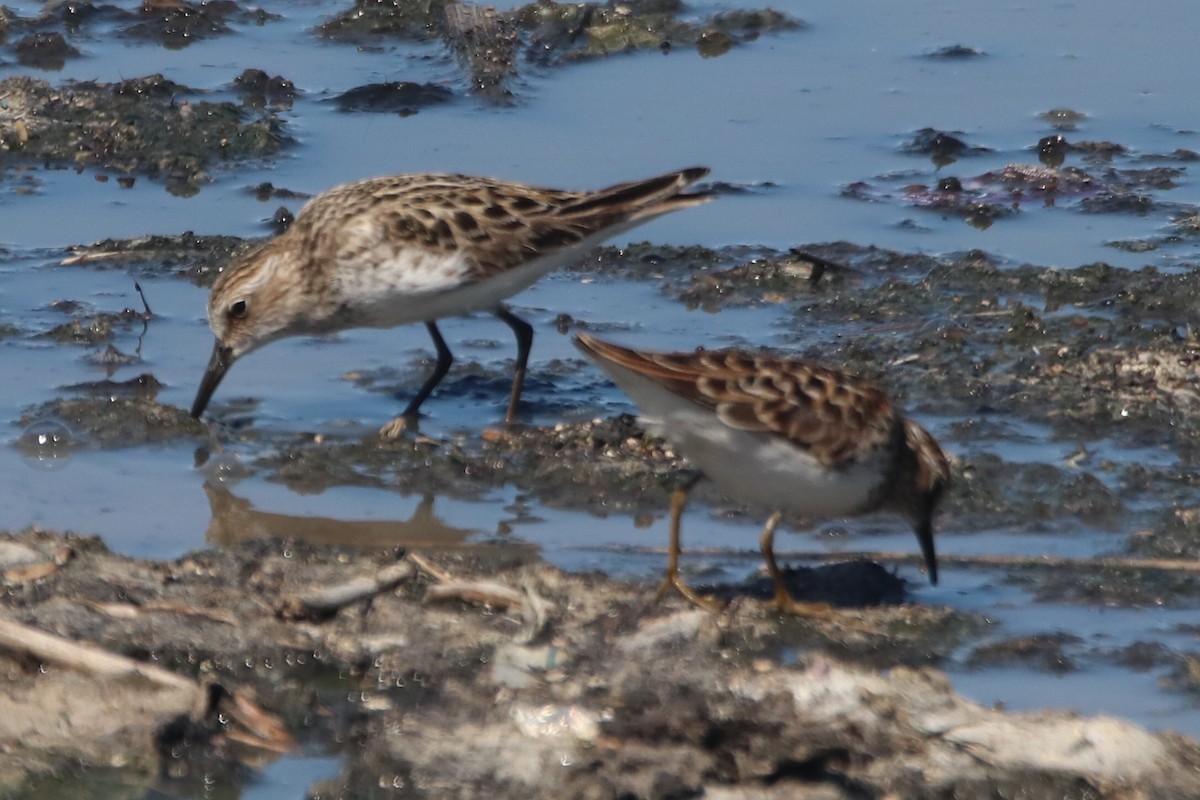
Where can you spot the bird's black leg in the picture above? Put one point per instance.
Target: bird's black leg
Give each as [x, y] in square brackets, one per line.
[408, 417]
[444, 359]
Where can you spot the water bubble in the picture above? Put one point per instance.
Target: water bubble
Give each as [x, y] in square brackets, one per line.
[226, 469]
[46, 444]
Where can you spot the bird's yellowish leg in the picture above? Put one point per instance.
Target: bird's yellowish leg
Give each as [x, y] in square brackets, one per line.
[783, 598]
[673, 578]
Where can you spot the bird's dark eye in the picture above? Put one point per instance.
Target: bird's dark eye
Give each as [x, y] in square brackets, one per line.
[238, 309]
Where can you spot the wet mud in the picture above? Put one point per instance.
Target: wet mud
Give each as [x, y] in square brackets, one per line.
[173, 24]
[494, 48]
[483, 671]
[1111, 179]
[147, 126]
[558, 32]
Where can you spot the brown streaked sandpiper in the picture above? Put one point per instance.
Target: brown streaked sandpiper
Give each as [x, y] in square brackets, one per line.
[782, 434]
[415, 248]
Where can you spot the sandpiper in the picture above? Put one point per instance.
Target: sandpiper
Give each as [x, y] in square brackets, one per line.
[783, 434]
[416, 248]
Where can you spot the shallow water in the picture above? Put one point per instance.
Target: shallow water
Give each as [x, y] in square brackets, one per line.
[809, 112]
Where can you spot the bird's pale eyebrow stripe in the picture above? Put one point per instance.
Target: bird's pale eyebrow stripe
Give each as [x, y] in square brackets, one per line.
[255, 279]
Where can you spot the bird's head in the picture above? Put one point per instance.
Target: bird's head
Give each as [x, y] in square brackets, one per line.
[256, 300]
[926, 474]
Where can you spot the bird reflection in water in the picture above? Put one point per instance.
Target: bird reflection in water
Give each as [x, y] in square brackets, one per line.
[234, 519]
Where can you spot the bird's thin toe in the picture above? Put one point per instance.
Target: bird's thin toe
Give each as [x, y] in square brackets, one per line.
[397, 428]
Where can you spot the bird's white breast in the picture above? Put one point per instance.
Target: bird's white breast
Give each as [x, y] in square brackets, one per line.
[394, 283]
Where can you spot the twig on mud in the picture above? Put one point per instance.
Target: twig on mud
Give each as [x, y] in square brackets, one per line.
[429, 568]
[47, 647]
[133, 611]
[535, 609]
[323, 602]
[1100, 562]
[257, 728]
[28, 573]
[147, 315]
[145, 304]
[819, 265]
[1096, 562]
[83, 258]
[488, 593]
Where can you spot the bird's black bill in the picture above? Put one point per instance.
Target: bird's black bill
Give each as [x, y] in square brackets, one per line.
[218, 365]
[924, 531]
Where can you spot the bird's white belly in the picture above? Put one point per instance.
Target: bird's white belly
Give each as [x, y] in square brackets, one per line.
[768, 471]
[757, 468]
[401, 308]
[418, 286]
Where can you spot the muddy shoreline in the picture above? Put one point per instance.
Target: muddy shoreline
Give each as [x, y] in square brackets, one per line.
[484, 671]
